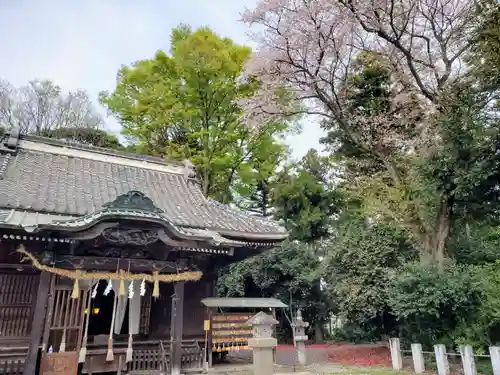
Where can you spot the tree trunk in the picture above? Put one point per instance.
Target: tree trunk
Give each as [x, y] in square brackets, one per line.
[318, 333]
[441, 233]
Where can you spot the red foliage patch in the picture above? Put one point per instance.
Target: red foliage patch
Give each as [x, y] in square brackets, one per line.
[360, 356]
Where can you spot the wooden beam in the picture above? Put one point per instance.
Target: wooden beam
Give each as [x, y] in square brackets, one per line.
[107, 263]
[176, 327]
[37, 325]
[208, 349]
[16, 266]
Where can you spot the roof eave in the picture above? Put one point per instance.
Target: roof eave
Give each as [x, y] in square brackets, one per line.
[232, 302]
[271, 236]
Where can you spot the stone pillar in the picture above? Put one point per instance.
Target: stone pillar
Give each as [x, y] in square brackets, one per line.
[300, 337]
[443, 366]
[397, 359]
[468, 362]
[418, 358]
[495, 359]
[262, 343]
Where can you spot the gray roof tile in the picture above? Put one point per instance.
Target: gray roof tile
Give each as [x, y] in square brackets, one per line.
[62, 184]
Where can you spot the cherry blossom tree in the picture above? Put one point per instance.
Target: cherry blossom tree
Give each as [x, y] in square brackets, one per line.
[309, 49]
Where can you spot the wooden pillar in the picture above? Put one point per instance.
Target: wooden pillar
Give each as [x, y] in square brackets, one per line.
[176, 327]
[210, 339]
[38, 323]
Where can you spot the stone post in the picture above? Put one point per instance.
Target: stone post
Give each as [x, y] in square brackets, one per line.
[418, 358]
[262, 343]
[300, 337]
[396, 358]
[468, 362]
[495, 359]
[442, 363]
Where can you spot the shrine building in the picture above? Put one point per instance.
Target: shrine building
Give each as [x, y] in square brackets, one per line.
[105, 258]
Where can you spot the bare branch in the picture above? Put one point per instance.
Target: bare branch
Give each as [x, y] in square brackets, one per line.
[40, 107]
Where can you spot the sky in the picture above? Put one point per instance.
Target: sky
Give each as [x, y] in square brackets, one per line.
[83, 43]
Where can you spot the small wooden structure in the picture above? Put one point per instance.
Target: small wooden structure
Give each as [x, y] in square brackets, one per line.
[105, 258]
[228, 317]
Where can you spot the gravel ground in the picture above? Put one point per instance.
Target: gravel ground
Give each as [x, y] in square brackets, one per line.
[286, 362]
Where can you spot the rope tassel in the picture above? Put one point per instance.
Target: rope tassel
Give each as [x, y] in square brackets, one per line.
[128, 357]
[156, 285]
[83, 349]
[121, 291]
[76, 290]
[110, 355]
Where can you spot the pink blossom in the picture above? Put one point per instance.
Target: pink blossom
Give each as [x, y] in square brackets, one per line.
[307, 47]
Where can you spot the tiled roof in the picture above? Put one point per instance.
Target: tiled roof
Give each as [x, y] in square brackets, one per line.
[58, 179]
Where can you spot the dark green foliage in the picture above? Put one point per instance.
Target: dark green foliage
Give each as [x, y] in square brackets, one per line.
[290, 273]
[356, 333]
[430, 304]
[484, 56]
[475, 243]
[466, 166]
[359, 265]
[87, 136]
[304, 201]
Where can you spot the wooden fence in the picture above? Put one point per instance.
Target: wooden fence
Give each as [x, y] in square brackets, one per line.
[442, 358]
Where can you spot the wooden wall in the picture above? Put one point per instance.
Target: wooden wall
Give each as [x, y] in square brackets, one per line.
[17, 299]
[18, 288]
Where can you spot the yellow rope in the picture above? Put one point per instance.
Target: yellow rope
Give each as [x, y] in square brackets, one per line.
[83, 275]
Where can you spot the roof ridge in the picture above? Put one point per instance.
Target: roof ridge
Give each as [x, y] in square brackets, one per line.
[100, 150]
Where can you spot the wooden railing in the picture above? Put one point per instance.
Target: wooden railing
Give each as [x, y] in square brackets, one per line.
[191, 357]
[12, 360]
[148, 361]
[153, 357]
[165, 363]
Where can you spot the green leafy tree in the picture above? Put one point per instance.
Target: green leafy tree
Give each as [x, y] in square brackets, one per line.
[256, 195]
[431, 305]
[484, 57]
[304, 200]
[475, 242]
[291, 273]
[301, 198]
[410, 76]
[358, 268]
[184, 105]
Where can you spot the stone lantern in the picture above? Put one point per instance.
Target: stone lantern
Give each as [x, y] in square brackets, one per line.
[262, 343]
[300, 337]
